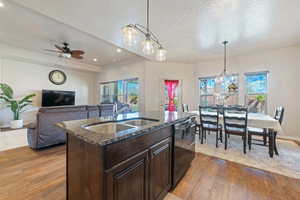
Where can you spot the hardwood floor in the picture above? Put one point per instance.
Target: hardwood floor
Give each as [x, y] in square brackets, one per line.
[213, 178]
[29, 175]
[26, 174]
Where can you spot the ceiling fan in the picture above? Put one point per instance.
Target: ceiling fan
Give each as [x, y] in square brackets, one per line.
[66, 52]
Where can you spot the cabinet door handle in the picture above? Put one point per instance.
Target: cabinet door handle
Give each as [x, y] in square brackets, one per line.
[156, 152]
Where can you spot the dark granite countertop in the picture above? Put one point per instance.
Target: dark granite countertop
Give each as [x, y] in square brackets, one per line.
[108, 134]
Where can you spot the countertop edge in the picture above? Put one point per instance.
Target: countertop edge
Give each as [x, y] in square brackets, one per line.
[125, 137]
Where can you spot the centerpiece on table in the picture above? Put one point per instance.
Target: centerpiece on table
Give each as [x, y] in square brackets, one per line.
[17, 106]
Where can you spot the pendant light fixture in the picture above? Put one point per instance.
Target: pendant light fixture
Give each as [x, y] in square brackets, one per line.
[223, 75]
[225, 83]
[150, 43]
[220, 80]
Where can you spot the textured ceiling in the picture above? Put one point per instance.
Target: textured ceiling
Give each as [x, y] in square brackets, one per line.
[24, 28]
[191, 30]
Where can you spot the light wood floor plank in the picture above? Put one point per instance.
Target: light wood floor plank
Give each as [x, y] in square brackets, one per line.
[40, 175]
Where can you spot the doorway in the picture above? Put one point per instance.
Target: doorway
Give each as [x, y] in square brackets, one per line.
[171, 94]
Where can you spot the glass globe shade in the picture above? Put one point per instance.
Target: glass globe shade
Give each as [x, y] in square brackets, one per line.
[161, 54]
[220, 90]
[148, 47]
[129, 35]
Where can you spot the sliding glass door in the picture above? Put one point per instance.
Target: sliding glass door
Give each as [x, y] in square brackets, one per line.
[108, 92]
[132, 93]
[121, 92]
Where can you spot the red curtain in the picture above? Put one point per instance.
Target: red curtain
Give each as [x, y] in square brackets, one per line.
[171, 86]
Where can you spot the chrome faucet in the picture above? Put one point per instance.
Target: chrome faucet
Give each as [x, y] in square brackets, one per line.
[116, 112]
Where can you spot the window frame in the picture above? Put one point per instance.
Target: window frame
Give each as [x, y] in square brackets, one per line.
[101, 95]
[125, 90]
[267, 87]
[237, 94]
[116, 95]
[206, 95]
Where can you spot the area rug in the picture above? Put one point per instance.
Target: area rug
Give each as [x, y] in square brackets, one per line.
[13, 139]
[287, 163]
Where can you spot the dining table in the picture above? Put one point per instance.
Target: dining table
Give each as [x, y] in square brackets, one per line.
[257, 120]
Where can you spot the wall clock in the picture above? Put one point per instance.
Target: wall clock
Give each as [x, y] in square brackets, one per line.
[57, 77]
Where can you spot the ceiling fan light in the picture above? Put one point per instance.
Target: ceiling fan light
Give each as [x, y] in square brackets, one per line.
[65, 55]
[161, 54]
[148, 47]
[129, 35]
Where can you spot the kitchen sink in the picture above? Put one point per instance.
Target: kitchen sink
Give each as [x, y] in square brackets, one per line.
[140, 122]
[109, 127]
[123, 127]
[114, 127]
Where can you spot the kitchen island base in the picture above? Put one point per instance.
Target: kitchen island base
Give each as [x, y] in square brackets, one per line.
[137, 169]
[131, 157]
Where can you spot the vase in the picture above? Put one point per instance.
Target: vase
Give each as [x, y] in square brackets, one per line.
[16, 124]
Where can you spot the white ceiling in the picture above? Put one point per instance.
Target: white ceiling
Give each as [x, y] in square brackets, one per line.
[190, 30]
[24, 28]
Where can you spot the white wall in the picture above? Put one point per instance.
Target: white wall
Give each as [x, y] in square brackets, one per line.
[124, 70]
[284, 88]
[283, 65]
[157, 72]
[150, 76]
[26, 77]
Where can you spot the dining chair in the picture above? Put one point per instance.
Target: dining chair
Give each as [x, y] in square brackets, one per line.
[279, 113]
[235, 123]
[185, 108]
[210, 122]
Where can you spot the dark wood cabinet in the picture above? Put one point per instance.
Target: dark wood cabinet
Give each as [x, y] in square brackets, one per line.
[138, 168]
[129, 179]
[144, 176]
[160, 169]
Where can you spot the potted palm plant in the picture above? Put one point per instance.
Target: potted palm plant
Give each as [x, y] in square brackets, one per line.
[16, 105]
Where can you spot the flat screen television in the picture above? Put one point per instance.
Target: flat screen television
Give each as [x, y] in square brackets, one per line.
[57, 98]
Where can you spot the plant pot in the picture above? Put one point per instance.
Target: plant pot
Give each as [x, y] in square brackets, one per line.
[16, 124]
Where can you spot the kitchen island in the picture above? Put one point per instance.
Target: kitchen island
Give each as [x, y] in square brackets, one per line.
[136, 156]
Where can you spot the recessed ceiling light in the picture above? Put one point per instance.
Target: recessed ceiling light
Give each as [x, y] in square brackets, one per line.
[119, 50]
[1, 4]
[95, 59]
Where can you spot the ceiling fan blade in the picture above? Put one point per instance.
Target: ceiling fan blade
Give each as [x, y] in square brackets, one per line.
[77, 52]
[77, 56]
[58, 47]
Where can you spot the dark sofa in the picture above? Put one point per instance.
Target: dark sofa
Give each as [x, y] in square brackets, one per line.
[43, 133]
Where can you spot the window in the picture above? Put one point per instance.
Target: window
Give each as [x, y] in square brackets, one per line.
[121, 92]
[131, 94]
[108, 92]
[256, 91]
[208, 90]
[232, 94]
